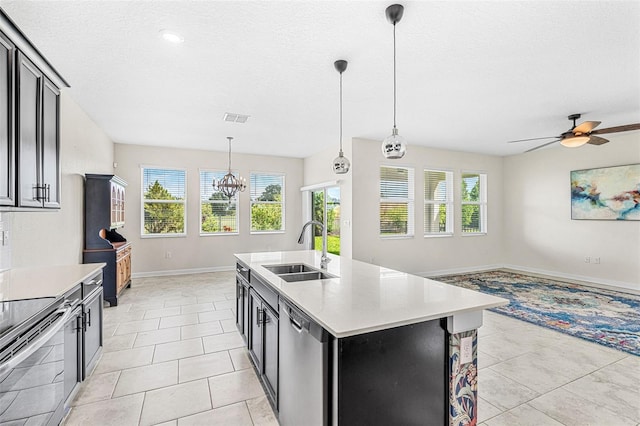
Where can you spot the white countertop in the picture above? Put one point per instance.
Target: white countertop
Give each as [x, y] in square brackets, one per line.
[45, 281]
[366, 297]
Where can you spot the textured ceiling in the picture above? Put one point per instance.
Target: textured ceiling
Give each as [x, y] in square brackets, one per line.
[471, 75]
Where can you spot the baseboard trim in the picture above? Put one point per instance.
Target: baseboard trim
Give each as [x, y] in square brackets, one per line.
[182, 271]
[581, 279]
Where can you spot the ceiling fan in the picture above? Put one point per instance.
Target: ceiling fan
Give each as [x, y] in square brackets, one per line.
[581, 134]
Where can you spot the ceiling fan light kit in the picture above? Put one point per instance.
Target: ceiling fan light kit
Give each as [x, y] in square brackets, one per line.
[394, 145]
[575, 141]
[341, 164]
[229, 185]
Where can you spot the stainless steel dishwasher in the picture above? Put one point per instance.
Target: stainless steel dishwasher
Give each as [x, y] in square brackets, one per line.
[303, 375]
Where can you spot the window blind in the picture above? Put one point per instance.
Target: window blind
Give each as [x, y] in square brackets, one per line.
[396, 201]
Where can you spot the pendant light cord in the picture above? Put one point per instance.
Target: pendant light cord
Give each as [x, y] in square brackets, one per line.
[394, 75]
[340, 113]
[229, 154]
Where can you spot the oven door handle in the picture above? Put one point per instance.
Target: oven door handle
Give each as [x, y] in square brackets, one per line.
[30, 348]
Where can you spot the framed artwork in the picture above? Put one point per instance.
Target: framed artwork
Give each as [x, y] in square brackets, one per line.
[608, 193]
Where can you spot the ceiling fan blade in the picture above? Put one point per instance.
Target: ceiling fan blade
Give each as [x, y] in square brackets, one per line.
[586, 127]
[625, 128]
[597, 140]
[533, 139]
[542, 146]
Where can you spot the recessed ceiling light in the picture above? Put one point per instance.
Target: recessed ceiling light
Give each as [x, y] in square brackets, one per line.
[171, 36]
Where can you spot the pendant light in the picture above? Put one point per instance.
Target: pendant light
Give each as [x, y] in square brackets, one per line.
[394, 146]
[229, 185]
[341, 163]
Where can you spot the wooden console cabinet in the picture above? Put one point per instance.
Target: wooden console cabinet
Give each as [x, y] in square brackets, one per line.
[104, 215]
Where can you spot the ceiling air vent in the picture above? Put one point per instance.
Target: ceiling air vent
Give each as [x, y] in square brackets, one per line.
[235, 118]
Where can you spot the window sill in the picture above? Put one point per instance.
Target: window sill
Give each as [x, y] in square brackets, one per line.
[217, 234]
[448, 234]
[396, 237]
[163, 236]
[473, 234]
[267, 232]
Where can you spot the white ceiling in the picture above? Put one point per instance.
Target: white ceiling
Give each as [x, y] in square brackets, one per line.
[471, 75]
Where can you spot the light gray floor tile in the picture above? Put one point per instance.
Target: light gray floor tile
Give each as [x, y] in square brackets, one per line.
[110, 317]
[198, 307]
[96, 387]
[180, 301]
[524, 415]
[178, 320]
[176, 350]
[502, 392]
[226, 304]
[162, 312]
[155, 337]
[232, 415]
[212, 298]
[503, 346]
[234, 387]
[240, 358]
[112, 412]
[137, 326]
[148, 377]
[176, 401]
[534, 372]
[222, 342]
[109, 329]
[215, 315]
[486, 410]
[169, 423]
[118, 343]
[200, 330]
[229, 325]
[574, 410]
[199, 367]
[485, 360]
[113, 361]
[145, 306]
[261, 412]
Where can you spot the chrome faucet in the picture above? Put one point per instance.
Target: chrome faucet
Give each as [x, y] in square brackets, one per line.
[324, 260]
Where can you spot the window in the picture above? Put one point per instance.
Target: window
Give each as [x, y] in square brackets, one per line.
[396, 201]
[332, 206]
[438, 202]
[474, 203]
[164, 202]
[267, 202]
[218, 213]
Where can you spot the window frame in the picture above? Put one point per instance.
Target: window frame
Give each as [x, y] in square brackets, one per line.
[235, 200]
[482, 202]
[282, 229]
[143, 201]
[449, 203]
[410, 200]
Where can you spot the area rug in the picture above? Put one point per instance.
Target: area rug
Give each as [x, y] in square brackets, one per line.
[606, 317]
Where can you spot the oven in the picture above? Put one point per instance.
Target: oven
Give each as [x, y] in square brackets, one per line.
[40, 350]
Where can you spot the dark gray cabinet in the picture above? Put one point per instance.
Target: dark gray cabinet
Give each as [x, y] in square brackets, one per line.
[38, 137]
[270, 350]
[242, 307]
[7, 141]
[92, 328]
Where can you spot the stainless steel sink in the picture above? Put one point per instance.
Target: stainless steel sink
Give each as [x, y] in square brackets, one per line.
[289, 269]
[298, 272]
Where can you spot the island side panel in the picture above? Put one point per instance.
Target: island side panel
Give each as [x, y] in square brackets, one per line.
[463, 382]
[394, 376]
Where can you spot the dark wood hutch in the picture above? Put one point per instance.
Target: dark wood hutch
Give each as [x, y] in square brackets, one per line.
[104, 214]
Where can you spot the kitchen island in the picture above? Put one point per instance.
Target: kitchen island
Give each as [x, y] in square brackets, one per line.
[399, 348]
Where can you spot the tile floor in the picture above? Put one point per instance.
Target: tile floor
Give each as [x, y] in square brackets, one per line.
[172, 356]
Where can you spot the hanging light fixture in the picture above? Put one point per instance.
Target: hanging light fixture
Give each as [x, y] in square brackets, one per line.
[229, 185]
[394, 146]
[341, 163]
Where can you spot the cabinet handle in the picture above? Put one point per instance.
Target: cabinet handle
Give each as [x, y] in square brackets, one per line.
[265, 317]
[48, 192]
[89, 321]
[258, 316]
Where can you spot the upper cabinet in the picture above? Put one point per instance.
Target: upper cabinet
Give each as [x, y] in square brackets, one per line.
[7, 141]
[29, 123]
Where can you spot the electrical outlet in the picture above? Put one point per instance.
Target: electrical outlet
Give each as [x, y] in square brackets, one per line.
[167, 255]
[587, 259]
[466, 350]
[596, 260]
[5, 238]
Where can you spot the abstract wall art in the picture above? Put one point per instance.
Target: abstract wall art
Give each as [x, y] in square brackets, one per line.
[608, 193]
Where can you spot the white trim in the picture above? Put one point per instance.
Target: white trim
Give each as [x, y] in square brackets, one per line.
[321, 185]
[182, 271]
[626, 287]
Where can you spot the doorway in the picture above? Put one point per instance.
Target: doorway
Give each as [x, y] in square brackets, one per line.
[329, 199]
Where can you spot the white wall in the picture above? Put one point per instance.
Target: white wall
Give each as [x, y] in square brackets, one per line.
[420, 254]
[538, 231]
[56, 237]
[319, 169]
[193, 252]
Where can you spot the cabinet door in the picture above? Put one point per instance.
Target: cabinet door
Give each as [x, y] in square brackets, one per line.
[72, 353]
[29, 87]
[270, 360]
[92, 331]
[255, 329]
[7, 144]
[51, 145]
[240, 306]
[245, 312]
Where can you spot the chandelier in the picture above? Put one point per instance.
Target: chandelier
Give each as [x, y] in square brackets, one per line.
[229, 185]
